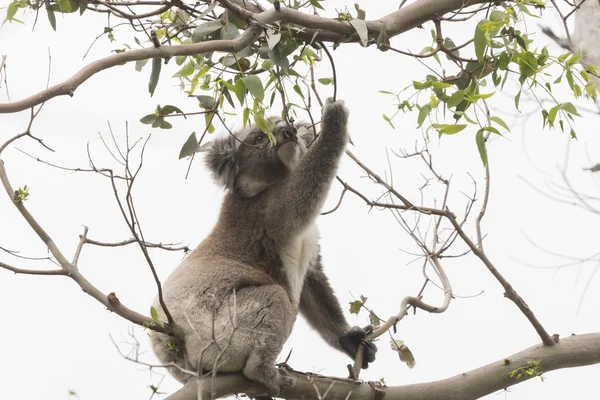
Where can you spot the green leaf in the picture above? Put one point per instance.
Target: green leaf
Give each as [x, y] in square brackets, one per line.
[149, 119]
[500, 122]
[563, 57]
[424, 111]
[254, 85]
[272, 38]
[355, 306]
[140, 64]
[503, 61]
[11, 11]
[456, 98]
[480, 140]
[373, 320]
[325, 81]
[491, 129]
[517, 99]
[240, 91]
[574, 58]
[227, 95]
[361, 28]
[383, 41]
[480, 40]
[449, 129]
[246, 116]
[228, 32]
[51, 16]
[259, 120]
[207, 102]
[170, 109]
[190, 147]
[449, 44]
[298, 90]
[528, 63]
[570, 108]
[278, 59]
[360, 14]
[65, 6]
[204, 30]
[389, 121]
[154, 75]
[573, 134]
[316, 4]
[186, 70]
[552, 115]
[154, 313]
[267, 64]
[161, 123]
[208, 118]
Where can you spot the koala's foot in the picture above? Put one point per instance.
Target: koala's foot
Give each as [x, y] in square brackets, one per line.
[354, 338]
[266, 374]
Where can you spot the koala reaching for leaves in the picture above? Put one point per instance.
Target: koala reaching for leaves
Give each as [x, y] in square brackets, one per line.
[236, 296]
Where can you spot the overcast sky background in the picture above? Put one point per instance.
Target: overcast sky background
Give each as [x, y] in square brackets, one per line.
[55, 338]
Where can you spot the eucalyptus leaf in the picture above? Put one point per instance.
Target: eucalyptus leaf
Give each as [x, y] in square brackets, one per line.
[204, 30]
[254, 85]
[154, 75]
[361, 28]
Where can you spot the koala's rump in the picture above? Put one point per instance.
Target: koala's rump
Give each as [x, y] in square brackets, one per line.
[241, 307]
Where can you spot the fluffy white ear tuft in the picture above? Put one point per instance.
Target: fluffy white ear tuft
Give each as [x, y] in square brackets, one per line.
[221, 161]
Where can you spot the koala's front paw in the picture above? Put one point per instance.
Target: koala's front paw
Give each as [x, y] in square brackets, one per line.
[356, 337]
[335, 116]
[284, 378]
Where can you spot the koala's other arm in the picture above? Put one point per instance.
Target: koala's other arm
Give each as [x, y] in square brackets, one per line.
[299, 201]
[322, 309]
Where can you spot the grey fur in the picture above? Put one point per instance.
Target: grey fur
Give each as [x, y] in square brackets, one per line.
[245, 283]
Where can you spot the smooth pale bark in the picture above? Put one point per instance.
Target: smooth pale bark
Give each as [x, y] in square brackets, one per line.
[573, 351]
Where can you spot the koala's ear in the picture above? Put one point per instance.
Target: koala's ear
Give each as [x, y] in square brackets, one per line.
[221, 160]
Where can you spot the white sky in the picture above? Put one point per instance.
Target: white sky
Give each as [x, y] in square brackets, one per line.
[56, 338]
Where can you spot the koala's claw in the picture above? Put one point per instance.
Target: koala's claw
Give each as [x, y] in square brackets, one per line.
[354, 338]
[284, 379]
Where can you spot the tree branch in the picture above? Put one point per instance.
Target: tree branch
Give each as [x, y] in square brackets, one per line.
[69, 86]
[510, 292]
[33, 271]
[314, 28]
[111, 302]
[573, 351]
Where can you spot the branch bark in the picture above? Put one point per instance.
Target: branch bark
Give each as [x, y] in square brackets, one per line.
[314, 28]
[69, 86]
[573, 351]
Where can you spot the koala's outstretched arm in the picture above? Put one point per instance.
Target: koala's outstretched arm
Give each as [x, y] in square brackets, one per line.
[299, 201]
[322, 310]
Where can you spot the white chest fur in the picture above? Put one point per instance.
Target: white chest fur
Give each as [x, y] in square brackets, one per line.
[296, 258]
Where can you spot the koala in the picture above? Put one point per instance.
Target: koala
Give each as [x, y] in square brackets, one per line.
[235, 298]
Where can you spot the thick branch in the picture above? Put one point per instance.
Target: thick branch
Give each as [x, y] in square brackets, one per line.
[573, 351]
[69, 86]
[332, 30]
[314, 28]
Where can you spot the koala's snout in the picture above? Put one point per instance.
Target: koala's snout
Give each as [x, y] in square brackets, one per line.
[289, 133]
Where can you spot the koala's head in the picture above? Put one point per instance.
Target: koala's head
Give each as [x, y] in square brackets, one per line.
[248, 163]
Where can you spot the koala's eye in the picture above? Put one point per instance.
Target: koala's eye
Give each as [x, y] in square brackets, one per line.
[259, 138]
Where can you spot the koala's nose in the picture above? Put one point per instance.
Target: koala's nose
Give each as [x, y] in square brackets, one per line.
[289, 133]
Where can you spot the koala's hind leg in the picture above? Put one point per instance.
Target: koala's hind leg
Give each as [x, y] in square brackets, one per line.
[270, 327]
